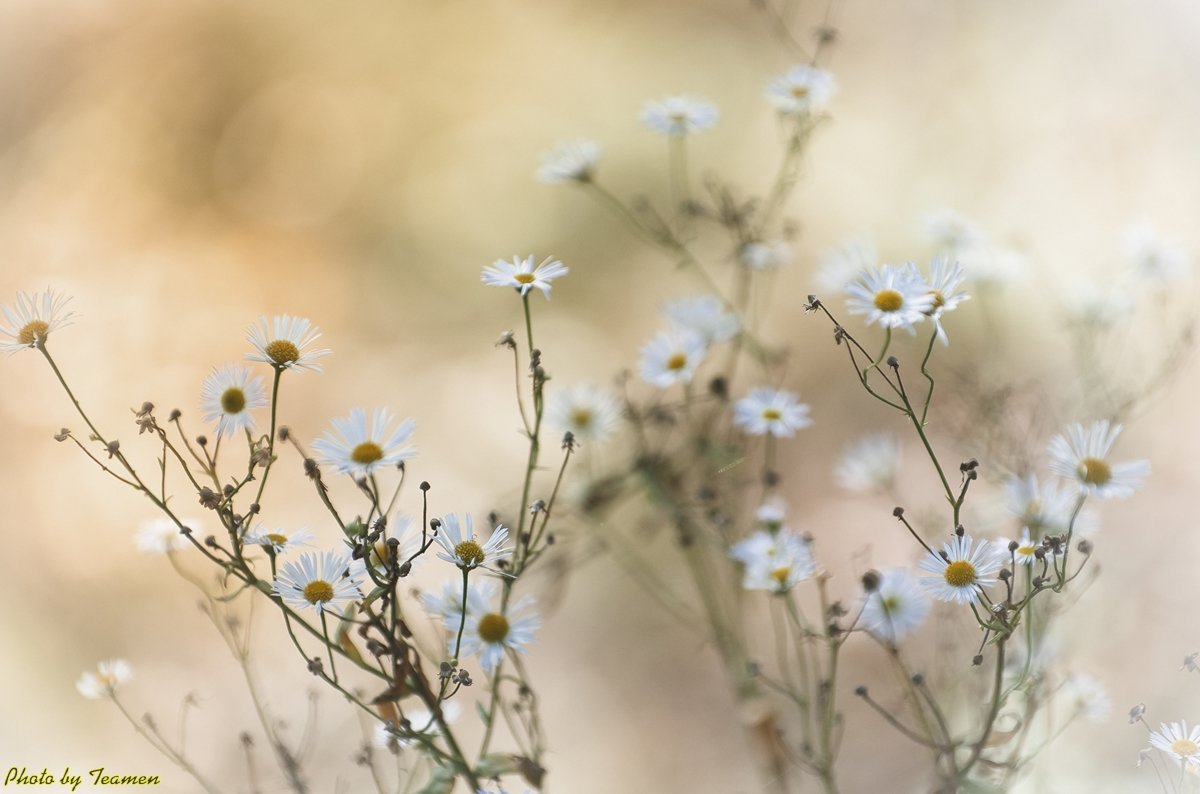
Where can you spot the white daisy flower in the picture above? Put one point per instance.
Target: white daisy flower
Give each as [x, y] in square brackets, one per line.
[1042, 507]
[1181, 744]
[766, 411]
[1026, 548]
[1081, 454]
[1153, 257]
[672, 357]
[449, 605]
[104, 681]
[943, 285]
[161, 535]
[965, 570]
[521, 275]
[488, 633]
[765, 255]
[951, 232]
[284, 342]
[774, 561]
[30, 321]
[1085, 697]
[227, 397]
[420, 720]
[705, 315]
[843, 263]
[679, 115]
[279, 540]
[869, 463]
[801, 89]
[890, 296]
[464, 550]
[569, 161]
[353, 448]
[325, 582]
[897, 607]
[589, 413]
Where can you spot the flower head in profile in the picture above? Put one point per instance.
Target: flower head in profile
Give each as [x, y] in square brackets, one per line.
[326, 582]
[963, 569]
[355, 448]
[679, 115]
[801, 89]
[1081, 454]
[227, 397]
[705, 315]
[1085, 697]
[672, 357]
[103, 682]
[279, 540]
[891, 296]
[1178, 743]
[521, 275]
[569, 161]
[943, 285]
[765, 255]
[465, 550]
[32, 318]
[490, 631]
[285, 342]
[588, 412]
[896, 607]
[161, 535]
[869, 464]
[775, 561]
[768, 411]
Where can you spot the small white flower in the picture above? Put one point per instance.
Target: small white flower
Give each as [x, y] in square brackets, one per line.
[1086, 698]
[488, 632]
[1081, 454]
[464, 550]
[588, 412]
[421, 721]
[843, 263]
[227, 397]
[161, 535]
[897, 607]
[679, 115]
[765, 255]
[449, 605]
[766, 411]
[869, 463]
[770, 515]
[672, 357]
[353, 448]
[521, 275]
[283, 342]
[569, 161]
[279, 540]
[1027, 548]
[965, 570]
[1179, 743]
[325, 582]
[30, 321]
[705, 315]
[890, 296]
[1153, 257]
[943, 285]
[1042, 507]
[801, 89]
[105, 680]
[774, 561]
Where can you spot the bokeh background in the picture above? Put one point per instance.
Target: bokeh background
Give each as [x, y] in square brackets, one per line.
[180, 168]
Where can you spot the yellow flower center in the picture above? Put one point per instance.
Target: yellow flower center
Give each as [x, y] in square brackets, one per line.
[1094, 471]
[282, 352]
[780, 575]
[1185, 747]
[581, 418]
[799, 91]
[889, 604]
[383, 553]
[233, 401]
[493, 628]
[1027, 550]
[888, 300]
[366, 453]
[276, 539]
[470, 553]
[318, 591]
[33, 330]
[960, 574]
[677, 362]
[524, 278]
[939, 300]
[772, 414]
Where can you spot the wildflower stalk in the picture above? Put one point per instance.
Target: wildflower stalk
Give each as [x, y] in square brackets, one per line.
[158, 743]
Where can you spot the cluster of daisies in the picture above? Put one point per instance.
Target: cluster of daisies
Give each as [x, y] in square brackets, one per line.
[900, 296]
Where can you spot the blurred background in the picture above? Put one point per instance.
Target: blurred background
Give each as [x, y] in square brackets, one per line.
[182, 168]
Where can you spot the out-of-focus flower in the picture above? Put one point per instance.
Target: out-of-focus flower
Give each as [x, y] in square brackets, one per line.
[31, 319]
[765, 255]
[843, 263]
[943, 284]
[775, 561]
[161, 535]
[1086, 698]
[705, 315]
[488, 633]
[766, 411]
[672, 357]
[421, 721]
[354, 448]
[679, 115]
[1178, 743]
[1153, 257]
[588, 412]
[950, 231]
[869, 463]
[801, 89]
[896, 607]
[104, 681]
[1081, 454]
[569, 161]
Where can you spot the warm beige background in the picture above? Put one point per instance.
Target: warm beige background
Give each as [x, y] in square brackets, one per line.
[180, 168]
